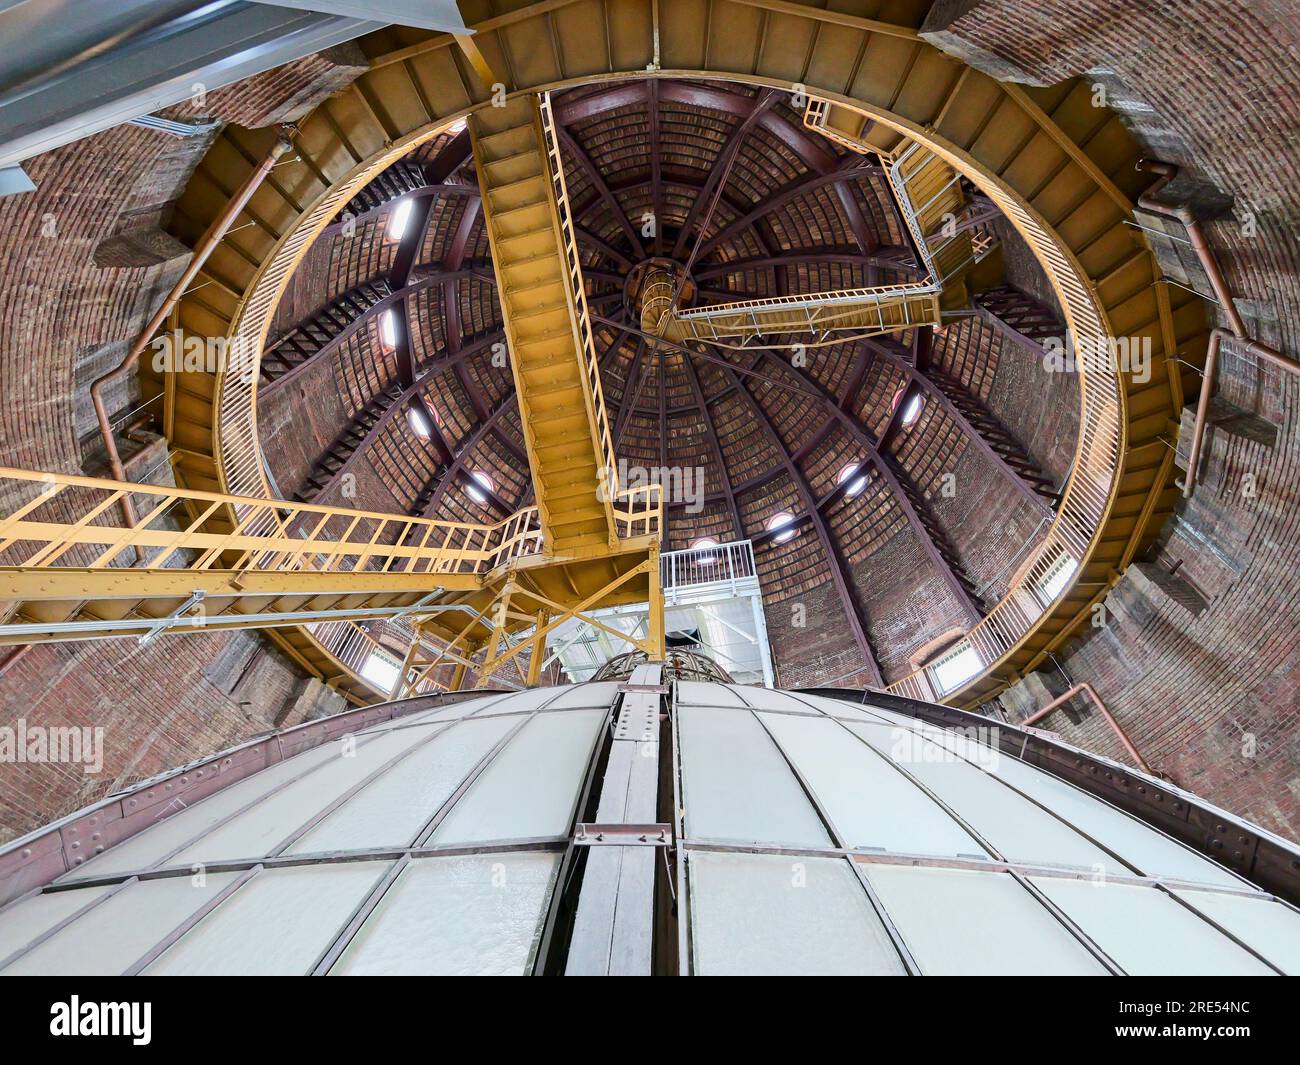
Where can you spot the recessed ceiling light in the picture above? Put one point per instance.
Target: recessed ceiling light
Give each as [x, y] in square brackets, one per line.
[400, 219]
[912, 411]
[857, 480]
[784, 522]
[419, 423]
[388, 330]
[478, 482]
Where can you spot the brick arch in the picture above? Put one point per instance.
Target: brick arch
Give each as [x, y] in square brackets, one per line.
[931, 649]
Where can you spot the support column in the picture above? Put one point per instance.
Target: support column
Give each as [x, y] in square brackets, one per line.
[457, 678]
[408, 663]
[539, 650]
[499, 619]
[764, 648]
[655, 602]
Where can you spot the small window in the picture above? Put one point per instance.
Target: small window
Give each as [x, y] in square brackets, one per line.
[457, 127]
[782, 525]
[857, 480]
[1053, 582]
[388, 330]
[912, 411]
[479, 486]
[381, 671]
[956, 668]
[400, 219]
[419, 423]
[707, 557]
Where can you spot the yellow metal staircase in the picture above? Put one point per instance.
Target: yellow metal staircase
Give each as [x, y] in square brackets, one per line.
[1059, 166]
[862, 312]
[557, 400]
[930, 199]
[927, 188]
[70, 570]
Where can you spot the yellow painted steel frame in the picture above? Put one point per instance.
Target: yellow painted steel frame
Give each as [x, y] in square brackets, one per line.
[498, 621]
[1066, 166]
[562, 611]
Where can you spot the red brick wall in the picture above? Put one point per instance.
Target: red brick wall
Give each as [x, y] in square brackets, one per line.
[64, 320]
[1217, 86]
[1211, 697]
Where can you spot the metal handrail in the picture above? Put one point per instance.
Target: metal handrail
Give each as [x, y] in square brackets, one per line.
[352, 646]
[1089, 491]
[578, 291]
[66, 522]
[912, 303]
[726, 563]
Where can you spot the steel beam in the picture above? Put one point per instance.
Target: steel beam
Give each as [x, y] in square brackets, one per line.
[146, 628]
[693, 379]
[422, 14]
[850, 169]
[715, 96]
[891, 477]
[601, 189]
[399, 274]
[443, 479]
[656, 163]
[126, 583]
[636, 377]
[435, 276]
[923, 382]
[759, 106]
[840, 576]
[398, 403]
[440, 191]
[74, 76]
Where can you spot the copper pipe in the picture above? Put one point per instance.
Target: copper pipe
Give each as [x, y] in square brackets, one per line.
[1217, 336]
[1116, 727]
[1182, 212]
[206, 245]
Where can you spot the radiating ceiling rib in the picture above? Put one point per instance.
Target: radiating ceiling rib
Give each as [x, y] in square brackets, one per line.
[840, 576]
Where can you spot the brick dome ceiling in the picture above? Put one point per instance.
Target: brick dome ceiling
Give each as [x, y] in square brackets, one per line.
[416, 411]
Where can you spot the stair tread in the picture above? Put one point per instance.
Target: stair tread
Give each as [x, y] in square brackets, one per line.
[546, 308]
[555, 390]
[512, 238]
[554, 334]
[510, 186]
[499, 215]
[562, 414]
